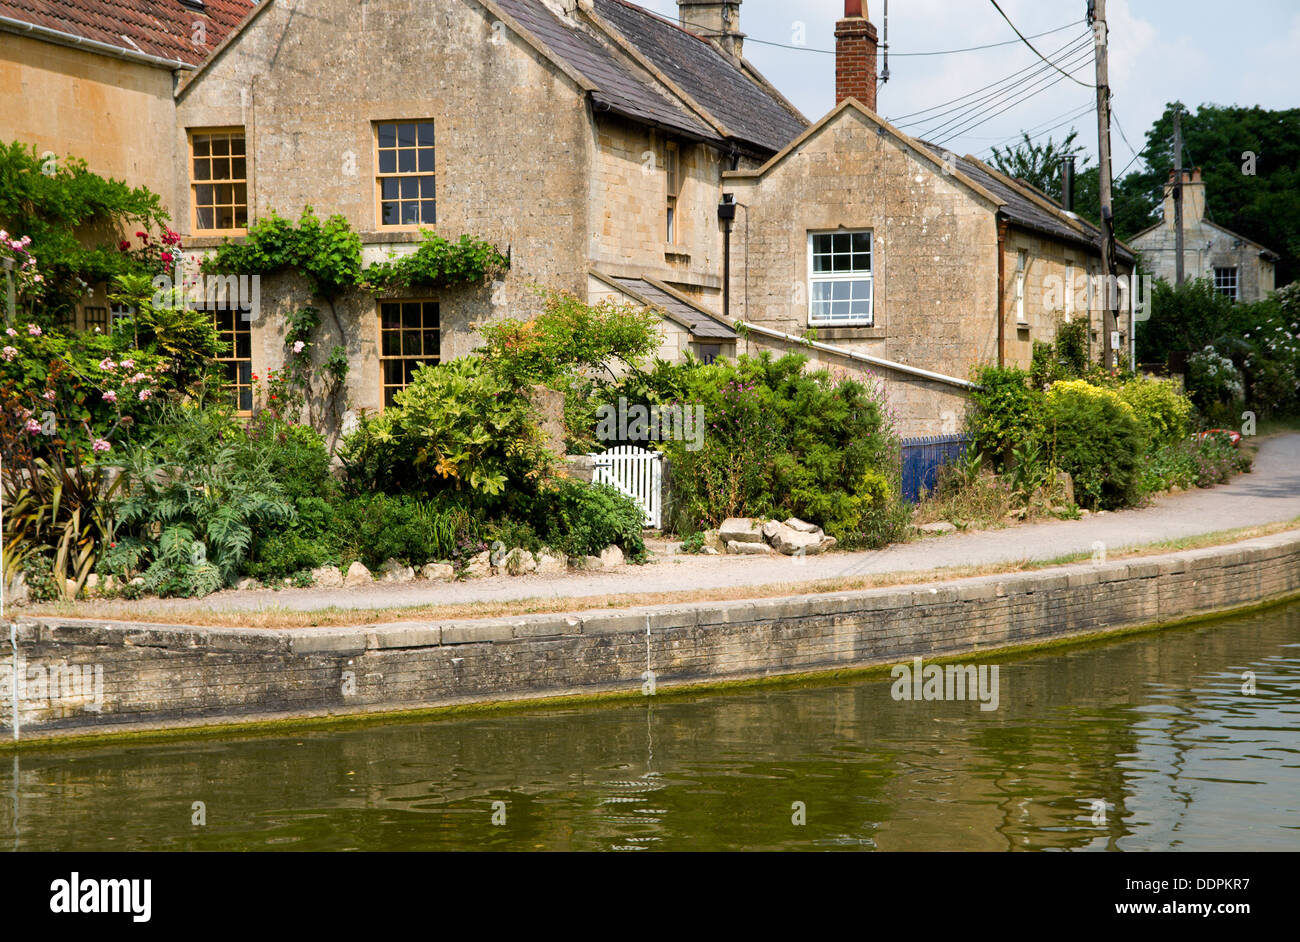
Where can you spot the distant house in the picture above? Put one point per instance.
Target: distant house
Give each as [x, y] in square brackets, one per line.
[1240, 268]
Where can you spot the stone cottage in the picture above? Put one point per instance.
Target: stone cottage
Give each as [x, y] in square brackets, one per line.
[1241, 269]
[612, 153]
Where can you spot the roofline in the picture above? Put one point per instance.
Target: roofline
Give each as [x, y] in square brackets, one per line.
[71, 40]
[625, 45]
[862, 357]
[253, 14]
[881, 123]
[688, 301]
[614, 283]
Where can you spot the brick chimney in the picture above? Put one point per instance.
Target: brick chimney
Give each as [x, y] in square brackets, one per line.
[855, 55]
[718, 20]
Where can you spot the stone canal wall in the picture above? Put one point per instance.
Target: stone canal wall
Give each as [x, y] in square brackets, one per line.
[82, 677]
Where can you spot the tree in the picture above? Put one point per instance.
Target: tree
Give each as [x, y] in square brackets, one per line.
[1040, 164]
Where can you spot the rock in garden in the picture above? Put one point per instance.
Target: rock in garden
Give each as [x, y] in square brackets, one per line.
[803, 526]
[327, 577]
[547, 564]
[480, 565]
[92, 584]
[357, 575]
[1065, 486]
[942, 526]
[740, 529]
[712, 541]
[738, 548]
[585, 562]
[828, 543]
[438, 571]
[710, 551]
[610, 557]
[794, 543]
[244, 584]
[519, 561]
[395, 571]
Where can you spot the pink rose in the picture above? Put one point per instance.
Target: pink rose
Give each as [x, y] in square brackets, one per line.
[128, 364]
[32, 328]
[101, 445]
[110, 396]
[138, 377]
[145, 394]
[49, 395]
[11, 332]
[297, 347]
[33, 427]
[107, 364]
[9, 353]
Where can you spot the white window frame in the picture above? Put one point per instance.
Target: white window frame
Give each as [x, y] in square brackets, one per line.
[1236, 281]
[1022, 269]
[1069, 291]
[852, 277]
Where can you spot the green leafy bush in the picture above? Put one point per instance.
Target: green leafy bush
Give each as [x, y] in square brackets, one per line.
[1161, 410]
[378, 527]
[1098, 440]
[1005, 411]
[582, 519]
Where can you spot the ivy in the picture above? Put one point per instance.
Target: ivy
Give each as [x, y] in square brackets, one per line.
[438, 263]
[328, 253]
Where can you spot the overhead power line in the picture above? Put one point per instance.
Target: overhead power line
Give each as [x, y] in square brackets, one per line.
[1026, 41]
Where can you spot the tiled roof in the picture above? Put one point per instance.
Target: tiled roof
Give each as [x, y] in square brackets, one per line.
[1020, 209]
[695, 319]
[619, 86]
[163, 28]
[743, 106]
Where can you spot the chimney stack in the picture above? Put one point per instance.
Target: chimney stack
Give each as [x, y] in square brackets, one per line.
[855, 55]
[1193, 195]
[718, 20]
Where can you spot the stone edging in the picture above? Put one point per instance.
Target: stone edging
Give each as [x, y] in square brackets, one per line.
[89, 677]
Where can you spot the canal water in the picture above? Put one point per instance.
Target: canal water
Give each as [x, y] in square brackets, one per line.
[1150, 742]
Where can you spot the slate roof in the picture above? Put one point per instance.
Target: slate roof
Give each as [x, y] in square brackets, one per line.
[619, 86]
[713, 81]
[695, 319]
[1021, 210]
[163, 28]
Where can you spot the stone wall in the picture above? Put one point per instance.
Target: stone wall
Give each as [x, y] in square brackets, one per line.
[136, 676]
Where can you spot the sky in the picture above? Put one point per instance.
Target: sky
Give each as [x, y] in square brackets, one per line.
[1245, 52]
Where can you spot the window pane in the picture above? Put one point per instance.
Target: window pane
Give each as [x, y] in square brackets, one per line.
[237, 144]
[411, 314]
[241, 194]
[411, 343]
[225, 194]
[388, 161]
[861, 262]
[205, 219]
[221, 146]
[387, 135]
[203, 195]
[241, 217]
[406, 161]
[406, 135]
[202, 145]
[841, 262]
[221, 168]
[428, 212]
[426, 160]
[431, 342]
[202, 169]
[840, 241]
[822, 243]
[861, 242]
[392, 346]
[390, 315]
[426, 135]
[427, 188]
[390, 189]
[225, 217]
[391, 214]
[410, 213]
[410, 187]
[861, 289]
[393, 372]
[840, 290]
[239, 168]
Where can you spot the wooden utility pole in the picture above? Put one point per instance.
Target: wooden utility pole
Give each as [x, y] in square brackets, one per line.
[1109, 293]
[1178, 194]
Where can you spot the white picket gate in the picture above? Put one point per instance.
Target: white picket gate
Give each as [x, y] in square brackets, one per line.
[636, 472]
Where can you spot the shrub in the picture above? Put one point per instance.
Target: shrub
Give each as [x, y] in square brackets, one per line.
[780, 441]
[1213, 378]
[379, 527]
[1005, 412]
[1096, 437]
[1161, 410]
[582, 519]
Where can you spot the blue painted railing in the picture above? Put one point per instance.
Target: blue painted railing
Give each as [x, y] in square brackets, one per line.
[922, 458]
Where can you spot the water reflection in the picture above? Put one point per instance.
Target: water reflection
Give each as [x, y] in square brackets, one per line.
[1142, 743]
